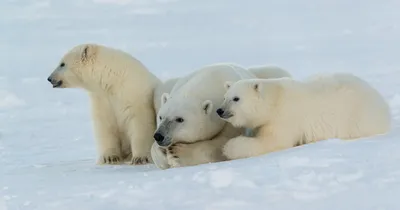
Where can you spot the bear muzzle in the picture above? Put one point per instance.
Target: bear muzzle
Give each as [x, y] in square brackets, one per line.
[54, 82]
[162, 140]
[220, 112]
[224, 114]
[158, 137]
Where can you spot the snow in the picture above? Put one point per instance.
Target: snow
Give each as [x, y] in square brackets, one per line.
[47, 150]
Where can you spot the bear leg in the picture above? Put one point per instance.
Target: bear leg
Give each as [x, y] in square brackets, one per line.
[245, 147]
[140, 133]
[106, 132]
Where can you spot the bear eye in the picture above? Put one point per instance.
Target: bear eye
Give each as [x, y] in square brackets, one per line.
[236, 99]
[160, 118]
[179, 120]
[62, 64]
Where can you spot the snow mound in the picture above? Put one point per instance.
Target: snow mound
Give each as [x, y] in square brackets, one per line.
[9, 100]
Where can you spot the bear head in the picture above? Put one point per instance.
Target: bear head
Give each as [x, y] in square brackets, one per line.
[75, 68]
[187, 121]
[249, 103]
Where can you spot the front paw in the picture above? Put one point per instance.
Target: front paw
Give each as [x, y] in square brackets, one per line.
[109, 159]
[175, 153]
[237, 148]
[140, 161]
[176, 150]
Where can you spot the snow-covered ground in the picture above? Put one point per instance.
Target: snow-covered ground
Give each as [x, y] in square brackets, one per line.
[47, 151]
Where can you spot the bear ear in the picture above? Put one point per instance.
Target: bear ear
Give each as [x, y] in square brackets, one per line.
[88, 52]
[207, 107]
[228, 84]
[164, 98]
[257, 86]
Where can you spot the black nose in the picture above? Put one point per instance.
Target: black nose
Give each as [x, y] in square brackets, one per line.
[220, 111]
[49, 79]
[158, 137]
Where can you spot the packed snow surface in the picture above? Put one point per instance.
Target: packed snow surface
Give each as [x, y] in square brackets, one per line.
[47, 147]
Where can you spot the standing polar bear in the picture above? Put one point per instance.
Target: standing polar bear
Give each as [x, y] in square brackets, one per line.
[290, 113]
[121, 92]
[189, 131]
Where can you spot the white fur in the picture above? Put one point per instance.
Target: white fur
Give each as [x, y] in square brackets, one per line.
[159, 157]
[195, 98]
[290, 113]
[268, 72]
[121, 92]
[162, 88]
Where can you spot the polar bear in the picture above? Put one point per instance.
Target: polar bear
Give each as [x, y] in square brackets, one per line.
[190, 132]
[268, 72]
[289, 113]
[121, 94]
[164, 87]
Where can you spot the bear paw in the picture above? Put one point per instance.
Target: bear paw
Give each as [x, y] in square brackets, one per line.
[243, 147]
[176, 150]
[140, 161]
[175, 154]
[109, 159]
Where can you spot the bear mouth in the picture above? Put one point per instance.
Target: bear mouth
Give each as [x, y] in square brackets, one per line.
[57, 84]
[166, 143]
[226, 115]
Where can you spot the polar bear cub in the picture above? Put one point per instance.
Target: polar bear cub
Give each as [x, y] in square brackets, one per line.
[290, 113]
[189, 131]
[121, 92]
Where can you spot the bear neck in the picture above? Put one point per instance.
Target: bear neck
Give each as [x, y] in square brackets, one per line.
[108, 83]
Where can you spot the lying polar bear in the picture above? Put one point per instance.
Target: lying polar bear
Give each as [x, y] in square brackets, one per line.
[290, 113]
